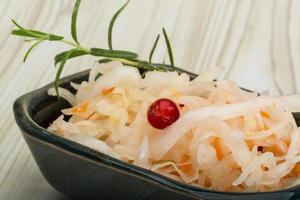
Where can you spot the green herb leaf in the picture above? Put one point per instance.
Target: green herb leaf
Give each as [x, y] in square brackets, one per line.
[27, 33]
[111, 24]
[74, 21]
[75, 53]
[38, 32]
[35, 34]
[32, 32]
[169, 47]
[55, 37]
[61, 67]
[113, 53]
[153, 48]
[105, 60]
[24, 34]
[31, 48]
[16, 24]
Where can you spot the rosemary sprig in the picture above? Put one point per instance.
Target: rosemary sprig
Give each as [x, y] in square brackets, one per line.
[35, 34]
[113, 53]
[169, 47]
[75, 53]
[153, 48]
[61, 67]
[112, 23]
[126, 57]
[31, 48]
[74, 21]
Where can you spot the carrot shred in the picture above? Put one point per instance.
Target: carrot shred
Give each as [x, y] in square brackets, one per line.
[207, 182]
[297, 168]
[265, 114]
[81, 108]
[264, 127]
[250, 144]
[189, 134]
[295, 172]
[186, 168]
[276, 150]
[217, 144]
[95, 116]
[107, 91]
[60, 131]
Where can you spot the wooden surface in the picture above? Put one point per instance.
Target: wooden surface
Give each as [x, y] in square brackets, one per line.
[257, 42]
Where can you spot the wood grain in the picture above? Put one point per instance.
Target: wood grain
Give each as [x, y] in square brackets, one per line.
[256, 42]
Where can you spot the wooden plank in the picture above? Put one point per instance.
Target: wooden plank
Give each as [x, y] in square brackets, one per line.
[256, 42]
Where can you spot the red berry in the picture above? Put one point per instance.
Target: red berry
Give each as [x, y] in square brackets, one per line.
[162, 113]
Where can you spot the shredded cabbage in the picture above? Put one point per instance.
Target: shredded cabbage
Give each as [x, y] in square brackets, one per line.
[226, 139]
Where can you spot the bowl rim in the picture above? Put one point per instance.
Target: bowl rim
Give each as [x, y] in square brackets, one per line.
[29, 127]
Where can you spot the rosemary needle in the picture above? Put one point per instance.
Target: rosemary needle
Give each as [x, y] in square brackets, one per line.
[126, 57]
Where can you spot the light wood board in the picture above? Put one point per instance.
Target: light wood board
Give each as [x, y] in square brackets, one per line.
[257, 42]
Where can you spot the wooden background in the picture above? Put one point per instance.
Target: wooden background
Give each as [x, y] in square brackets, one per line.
[257, 42]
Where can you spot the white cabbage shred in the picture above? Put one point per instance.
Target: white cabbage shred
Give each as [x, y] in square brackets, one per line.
[226, 139]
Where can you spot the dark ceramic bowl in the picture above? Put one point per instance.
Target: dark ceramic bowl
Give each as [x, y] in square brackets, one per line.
[84, 174]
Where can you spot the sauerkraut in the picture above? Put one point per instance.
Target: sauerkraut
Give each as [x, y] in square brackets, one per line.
[226, 139]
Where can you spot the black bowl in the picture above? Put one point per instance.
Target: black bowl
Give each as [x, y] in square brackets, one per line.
[82, 173]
